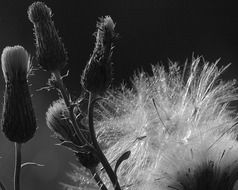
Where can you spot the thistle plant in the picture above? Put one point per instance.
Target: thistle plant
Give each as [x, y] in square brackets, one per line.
[97, 75]
[96, 79]
[18, 119]
[57, 119]
[52, 57]
[50, 52]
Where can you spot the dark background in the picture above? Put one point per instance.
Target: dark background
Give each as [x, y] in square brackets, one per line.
[150, 30]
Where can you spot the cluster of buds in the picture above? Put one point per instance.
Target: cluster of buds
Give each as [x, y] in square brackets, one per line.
[96, 78]
[97, 75]
[18, 119]
[50, 51]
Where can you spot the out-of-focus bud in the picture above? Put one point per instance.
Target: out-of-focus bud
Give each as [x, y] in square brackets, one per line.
[18, 118]
[97, 75]
[50, 51]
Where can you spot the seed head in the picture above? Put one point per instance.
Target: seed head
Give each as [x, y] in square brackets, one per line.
[50, 51]
[18, 118]
[178, 126]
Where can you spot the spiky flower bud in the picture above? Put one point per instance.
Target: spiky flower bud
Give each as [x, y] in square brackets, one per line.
[97, 75]
[57, 119]
[18, 119]
[50, 51]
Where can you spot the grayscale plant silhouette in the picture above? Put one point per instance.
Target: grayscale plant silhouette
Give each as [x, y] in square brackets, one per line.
[173, 129]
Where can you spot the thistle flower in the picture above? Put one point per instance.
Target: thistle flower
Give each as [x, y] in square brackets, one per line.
[97, 75]
[18, 119]
[178, 127]
[57, 119]
[50, 51]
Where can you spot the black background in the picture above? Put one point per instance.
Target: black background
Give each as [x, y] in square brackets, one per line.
[150, 31]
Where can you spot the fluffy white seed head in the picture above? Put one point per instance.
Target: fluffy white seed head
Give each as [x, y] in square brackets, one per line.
[15, 62]
[163, 117]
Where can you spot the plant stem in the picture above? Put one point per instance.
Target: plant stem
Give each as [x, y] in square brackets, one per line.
[67, 100]
[98, 179]
[2, 186]
[17, 166]
[100, 154]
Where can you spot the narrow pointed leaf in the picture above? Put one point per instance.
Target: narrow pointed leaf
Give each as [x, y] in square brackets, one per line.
[123, 157]
[31, 164]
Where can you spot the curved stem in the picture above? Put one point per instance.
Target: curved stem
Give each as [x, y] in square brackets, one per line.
[67, 100]
[98, 179]
[17, 171]
[100, 154]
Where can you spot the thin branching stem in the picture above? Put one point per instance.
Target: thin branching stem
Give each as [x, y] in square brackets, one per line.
[70, 107]
[98, 179]
[100, 154]
[17, 171]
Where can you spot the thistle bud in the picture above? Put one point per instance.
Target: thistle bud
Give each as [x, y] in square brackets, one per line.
[88, 160]
[18, 119]
[97, 75]
[50, 51]
[57, 119]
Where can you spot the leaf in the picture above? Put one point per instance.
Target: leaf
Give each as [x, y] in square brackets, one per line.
[123, 157]
[31, 164]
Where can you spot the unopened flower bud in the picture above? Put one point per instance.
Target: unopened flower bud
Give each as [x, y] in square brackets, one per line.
[18, 119]
[57, 120]
[105, 35]
[50, 51]
[88, 160]
[97, 75]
